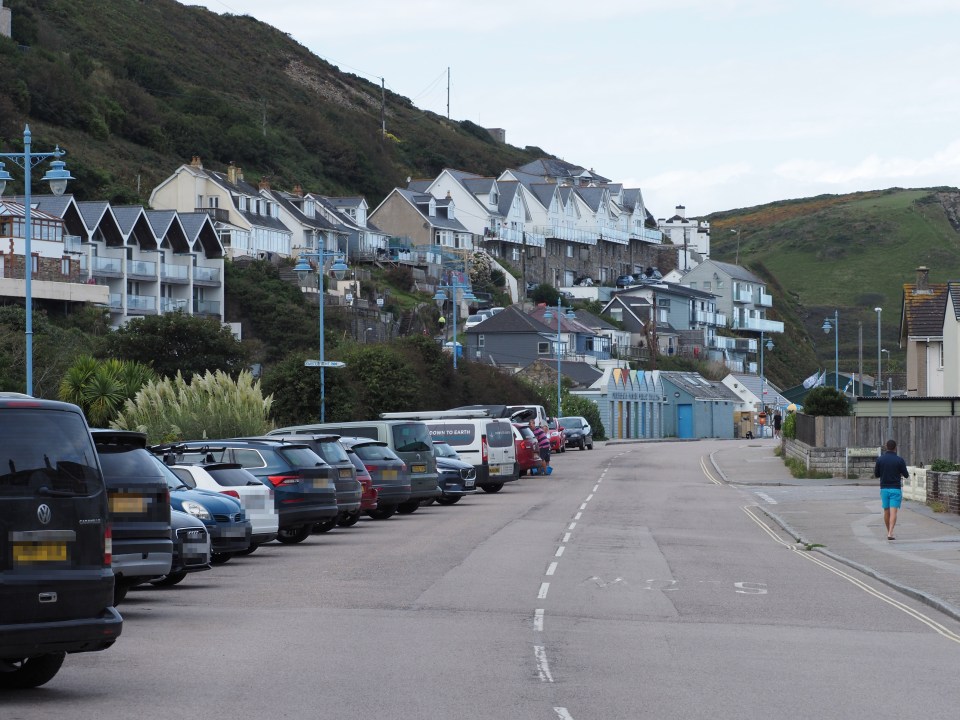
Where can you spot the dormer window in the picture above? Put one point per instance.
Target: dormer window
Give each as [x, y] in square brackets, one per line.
[494, 197]
[432, 208]
[450, 215]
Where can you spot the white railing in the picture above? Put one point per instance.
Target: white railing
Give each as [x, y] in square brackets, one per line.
[710, 318]
[207, 274]
[654, 236]
[206, 307]
[107, 265]
[742, 296]
[765, 299]
[572, 234]
[758, 324]
[141, 303]
[142, 267]
[169, 271]
[72, 244]
[613, 235]
[722, 342]
[172, 304]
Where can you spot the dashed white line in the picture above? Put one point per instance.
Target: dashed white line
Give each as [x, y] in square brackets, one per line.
[544, 589]
[566, 538]
[562, 713]
[538, 620]
[767, 498]
[589, 497]
[560, 550]
[572, 526]
[578, 516]
[583, 507]
[552, 569]
[543, 668]
[596, 487]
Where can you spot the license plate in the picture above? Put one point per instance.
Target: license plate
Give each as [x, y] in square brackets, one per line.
[345, 472]
[495, 469]
[389, 474]
[321, 483]
[418, 468]
[255, 502]
[27, 553]
[128, 504]
[468, 483]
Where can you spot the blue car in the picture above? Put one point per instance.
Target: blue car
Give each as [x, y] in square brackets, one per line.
[226, 522]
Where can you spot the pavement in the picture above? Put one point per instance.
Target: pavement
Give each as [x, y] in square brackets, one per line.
[844, 520]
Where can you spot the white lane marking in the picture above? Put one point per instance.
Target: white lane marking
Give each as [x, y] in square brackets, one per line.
[544, 588]
[566, 538]
[538, 620]
[572, 526]
[589, 497]
[766, 497]
[543, 668]
[562, 713]
[552, 569]
[583, 507]
[578, 516]
[596, 487]
[560, 551]
[751, 588]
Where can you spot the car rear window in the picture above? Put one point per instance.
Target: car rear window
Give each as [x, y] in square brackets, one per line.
[454, 434]
[375, 451]
[130, 463]
[499, 434]
[232, 477]
[526, 432]
[412, 437]
[46, 448]
[571, 422]
[300, 457]
[332, 451]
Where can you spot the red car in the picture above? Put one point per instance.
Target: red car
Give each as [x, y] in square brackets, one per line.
[528, 452]
[368, 500]
[558, 440]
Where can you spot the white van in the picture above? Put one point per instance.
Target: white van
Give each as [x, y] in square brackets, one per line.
[485, 442]
[517, 412]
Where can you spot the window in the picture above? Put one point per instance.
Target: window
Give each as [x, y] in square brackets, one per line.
[569, 249]
[941, 357]
[663, 302]
[65, 270]
[34, 264]
[707, 285]
[479, 341]
[693, 285]
[719, 284]
[543, 348]
[214, 202]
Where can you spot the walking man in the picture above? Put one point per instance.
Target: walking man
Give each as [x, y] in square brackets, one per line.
[891, 469]
[777, 423]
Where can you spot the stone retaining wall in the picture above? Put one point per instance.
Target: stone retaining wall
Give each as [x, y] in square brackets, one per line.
[943, 487]
[829, 460]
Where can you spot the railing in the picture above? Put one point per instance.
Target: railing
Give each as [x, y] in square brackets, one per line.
[142, 267]
[206, 274]
[141, 303]
[765, 299]
[621, 237]
[710, 318]
[206, 307]
[742, 296]
[216, 214]
[722, 342]
[564, 233]
[107, 265]
[72, 244]
[512, 235]
[758, 324]
[116, 301]
[174, 272]
[654, 236]
[172, 304]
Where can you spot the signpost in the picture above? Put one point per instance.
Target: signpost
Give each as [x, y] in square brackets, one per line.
[324, 363]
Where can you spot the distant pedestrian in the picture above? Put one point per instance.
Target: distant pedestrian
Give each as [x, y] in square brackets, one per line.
[543, 442]
[777, 423]
[891, 469]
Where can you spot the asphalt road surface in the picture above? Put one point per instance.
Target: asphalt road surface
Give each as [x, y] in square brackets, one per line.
[631, 583]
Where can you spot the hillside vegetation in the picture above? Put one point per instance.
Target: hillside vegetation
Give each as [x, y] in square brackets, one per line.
[133, 89]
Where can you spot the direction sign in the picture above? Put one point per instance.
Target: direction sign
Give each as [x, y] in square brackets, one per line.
[325, 363]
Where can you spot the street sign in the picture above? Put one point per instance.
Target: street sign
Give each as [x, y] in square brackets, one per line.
[325, 363]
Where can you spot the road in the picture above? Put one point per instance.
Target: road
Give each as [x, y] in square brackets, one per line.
[631, 583]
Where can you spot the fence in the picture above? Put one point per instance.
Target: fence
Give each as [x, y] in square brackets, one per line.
[920, 440]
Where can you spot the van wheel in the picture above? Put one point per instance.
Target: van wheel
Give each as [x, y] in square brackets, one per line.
[30, 672]
[293, 535]
[583, 445]
[494, 488]
[170, 580]
[383, 513]
[408, 507]
[119, 592]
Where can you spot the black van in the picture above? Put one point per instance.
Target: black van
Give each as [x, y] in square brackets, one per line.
[56, 583]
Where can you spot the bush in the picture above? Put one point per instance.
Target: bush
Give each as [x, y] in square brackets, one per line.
[577, 405]
[940, 465]
[826, 401]
[789, 428]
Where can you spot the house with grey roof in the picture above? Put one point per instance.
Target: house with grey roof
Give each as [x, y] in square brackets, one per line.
[929, 334]
[311, 231]
[364, 240]
[424, 219]
[697, 407]
[690, 236]
[511, 339]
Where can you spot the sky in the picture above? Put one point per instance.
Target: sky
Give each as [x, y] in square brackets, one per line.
[710, 104]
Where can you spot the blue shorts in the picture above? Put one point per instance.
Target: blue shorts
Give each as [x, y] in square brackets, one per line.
[890, 497]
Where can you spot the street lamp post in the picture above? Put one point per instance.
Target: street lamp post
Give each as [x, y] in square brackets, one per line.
[441, 297]
[548, 315]
[57, 176]
[303, 270]
[878, 310]
[835, 326]
[884, 350]
[763, 380]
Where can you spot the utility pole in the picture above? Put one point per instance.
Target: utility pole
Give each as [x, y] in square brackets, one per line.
[448, 92]
[383, 108]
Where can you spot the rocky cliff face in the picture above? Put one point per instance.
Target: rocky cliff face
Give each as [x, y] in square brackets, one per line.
[950, 201]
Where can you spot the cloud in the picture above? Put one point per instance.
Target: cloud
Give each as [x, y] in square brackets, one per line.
[941, 166]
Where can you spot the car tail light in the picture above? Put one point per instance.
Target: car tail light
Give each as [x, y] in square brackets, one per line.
[278, 480]
[231, 493]
[371, 469]
[483, 448]
[108, 546]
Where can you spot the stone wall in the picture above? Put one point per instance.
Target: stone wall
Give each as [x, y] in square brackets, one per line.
[829, 460]
[943, 487]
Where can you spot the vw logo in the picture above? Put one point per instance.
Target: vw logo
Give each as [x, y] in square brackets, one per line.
[44, 513]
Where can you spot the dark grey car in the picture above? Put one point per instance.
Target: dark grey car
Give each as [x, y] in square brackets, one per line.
[578, 432]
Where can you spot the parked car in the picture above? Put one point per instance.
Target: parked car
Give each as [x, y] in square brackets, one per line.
[349, 491]
[525, 443]
[191, 549]
[457, 478]
[254, 497]
[139, 502]
[368, 500]
[625, 281]
[388, 472]
[409, 440]
[558, 443]
[56, 582]
[578, 432]
[474, 320]
[303, 490]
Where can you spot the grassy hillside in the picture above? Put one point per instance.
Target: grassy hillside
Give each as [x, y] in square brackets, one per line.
[133, 89]
[851, 253]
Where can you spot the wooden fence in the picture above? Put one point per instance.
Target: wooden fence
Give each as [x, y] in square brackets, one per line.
[920, 440]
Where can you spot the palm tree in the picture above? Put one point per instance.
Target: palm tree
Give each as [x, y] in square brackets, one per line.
[101, 387]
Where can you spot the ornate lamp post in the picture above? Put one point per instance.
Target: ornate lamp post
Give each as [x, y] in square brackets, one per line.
[303, 270]
[548, 315]
[878, 310]
[441, 297]
[57, 176]
[835, 326]
[763, 379]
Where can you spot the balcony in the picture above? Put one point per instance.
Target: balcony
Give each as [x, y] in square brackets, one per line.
[621, 237]
[743, 296]
[206, 274]
[731, 344]
[107, 267]
[72, 244]
[116, 302]
[572, 234]
[710, 318]
[765, 300]
[652, 236]
[142, 268]
[216, 214]
[174, 273]
[758, 324]
[515, 236]
[141, 305]
[206, 307]
[169, 305]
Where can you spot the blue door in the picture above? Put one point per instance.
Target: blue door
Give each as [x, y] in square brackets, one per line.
[685, 421]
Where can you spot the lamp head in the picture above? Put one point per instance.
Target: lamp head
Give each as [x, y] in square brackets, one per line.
[440, 298]
[769, 344]
[826, 325]
[878, 309]
[302, 269]
[4, 178]
[58, 176]
[339, 269]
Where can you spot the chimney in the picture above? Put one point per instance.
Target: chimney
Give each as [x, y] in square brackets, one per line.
[448, 195]
[923, 279]
[264, 184]
[195, 162]
[681, 211]
[298, 190]
[233, 173]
